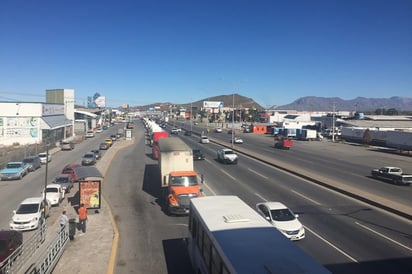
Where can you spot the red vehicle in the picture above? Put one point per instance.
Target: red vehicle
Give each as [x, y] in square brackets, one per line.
[71, 170]
[283, 142]
[155, 140]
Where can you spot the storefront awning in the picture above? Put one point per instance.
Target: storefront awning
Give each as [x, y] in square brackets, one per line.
[55, 121]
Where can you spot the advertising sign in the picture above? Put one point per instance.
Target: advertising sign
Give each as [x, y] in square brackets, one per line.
[212, 104]
[90, 193]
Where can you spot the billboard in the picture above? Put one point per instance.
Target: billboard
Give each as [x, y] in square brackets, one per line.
[97, 101]
[212, 104]
[90, 191]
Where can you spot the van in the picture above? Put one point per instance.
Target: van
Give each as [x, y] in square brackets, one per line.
[10, 241]
[32, 162]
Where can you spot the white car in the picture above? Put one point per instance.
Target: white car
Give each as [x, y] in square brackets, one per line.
[237, 140]
[30, 214]
[218, 129]
[204, 140]
[54, 193]
[283, 219]
[45, 157]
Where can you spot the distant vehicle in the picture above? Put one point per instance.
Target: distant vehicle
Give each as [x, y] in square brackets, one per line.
[96, 153]
[392, 174]
[283, 219]
[30, 214]
[283, 143]
[10, 241]
[88, 159]
[109, 141]
[99, 130]
[113, 137]
[188, 133]
[67, 145]
[174, 131]
[218, 129]
[14, 171]
[236, 140]
[227, 156]
[90, 134]
[54, 193]
[45, 157]
[104, 146]
[130, 125]
[65, 180]
[230, 131]
[32, 162]
[198, 154]
[204, 140]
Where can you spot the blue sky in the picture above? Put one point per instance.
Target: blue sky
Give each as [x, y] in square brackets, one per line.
[142, 52]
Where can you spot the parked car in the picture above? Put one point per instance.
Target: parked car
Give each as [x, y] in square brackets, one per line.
[204, 140]
[45, 157]
[89, 134]
[66, 145]
[54, 193]
[236, 140]
[65, 180]
[14, 171]
[10, 241]
[97, 153]
[71, 170]
[283, 219]
[218, 129]
[30, 214]
[32, 162]
[198, 154]
[104, 146]
[174, 131]
[109, 141]
[113, 137]
[88, 159]
[99, 130]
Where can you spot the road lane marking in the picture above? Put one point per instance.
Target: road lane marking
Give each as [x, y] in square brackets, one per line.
[383, 236]
[307, 198]
[332, 245]
[261, 197]
[257, 173]
[227, 174]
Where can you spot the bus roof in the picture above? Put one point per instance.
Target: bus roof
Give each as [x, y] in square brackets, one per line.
[249, 243]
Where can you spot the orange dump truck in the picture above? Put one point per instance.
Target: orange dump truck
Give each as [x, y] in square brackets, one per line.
[179, 181]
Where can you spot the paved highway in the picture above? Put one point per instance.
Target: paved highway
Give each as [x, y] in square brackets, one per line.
[345, 235]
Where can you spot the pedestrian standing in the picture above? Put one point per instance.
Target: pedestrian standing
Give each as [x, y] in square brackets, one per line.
[82, 217]
[63, 220]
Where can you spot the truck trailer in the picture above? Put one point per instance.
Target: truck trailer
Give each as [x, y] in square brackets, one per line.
[179, 182]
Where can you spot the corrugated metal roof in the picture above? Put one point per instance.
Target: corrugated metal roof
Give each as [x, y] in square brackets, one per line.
[55, 121]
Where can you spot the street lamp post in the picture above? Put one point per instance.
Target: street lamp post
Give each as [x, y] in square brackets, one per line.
[233, 120]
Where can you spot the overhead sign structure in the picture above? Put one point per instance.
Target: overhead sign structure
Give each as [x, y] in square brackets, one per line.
[212, 104]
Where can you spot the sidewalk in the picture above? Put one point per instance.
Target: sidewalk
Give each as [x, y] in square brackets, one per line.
[95, 250]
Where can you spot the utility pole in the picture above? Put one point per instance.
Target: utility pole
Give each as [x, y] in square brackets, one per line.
[333, 123]
[233, 119]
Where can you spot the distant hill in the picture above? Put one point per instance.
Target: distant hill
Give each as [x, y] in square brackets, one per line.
[361, 104]
[239, 101]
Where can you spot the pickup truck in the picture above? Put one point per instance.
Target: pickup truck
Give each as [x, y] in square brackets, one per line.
[392, 174]
[14, 171]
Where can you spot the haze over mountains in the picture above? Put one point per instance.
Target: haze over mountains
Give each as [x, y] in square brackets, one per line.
[309, 103]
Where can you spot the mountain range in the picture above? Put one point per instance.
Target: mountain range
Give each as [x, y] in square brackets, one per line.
[308, 103]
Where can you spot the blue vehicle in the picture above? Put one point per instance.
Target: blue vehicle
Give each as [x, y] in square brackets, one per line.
[14, 171]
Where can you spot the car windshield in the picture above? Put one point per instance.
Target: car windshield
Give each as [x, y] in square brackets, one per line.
[89, 156]
[229, 152]
[13, 165]
[183, 181]
[62, 180]
[28, 208]
[42, 155]
[67, 171]
[52, 190]
[282, 215]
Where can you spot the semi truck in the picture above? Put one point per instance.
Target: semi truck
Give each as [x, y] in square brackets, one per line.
[179, 182]
[155, 142]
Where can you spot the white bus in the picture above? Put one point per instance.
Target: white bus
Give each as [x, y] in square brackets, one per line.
[228, 236]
